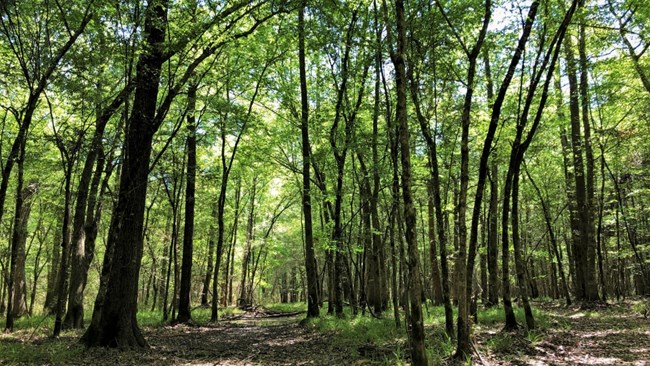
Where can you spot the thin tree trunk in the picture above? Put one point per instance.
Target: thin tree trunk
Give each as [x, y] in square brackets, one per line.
[519, 261]
[310, 257]
[493, 244]
[210, 267]
[553, 240]
[416, 335]
[184, 307]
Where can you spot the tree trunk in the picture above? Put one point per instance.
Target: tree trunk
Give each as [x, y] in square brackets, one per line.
[184, 305]
[519, 260]
[436, 281]
[434, 197]
[310, 257]
[243, 300]
[62, 285]
[208, 273]
[16, 300]
[416, 335]
[553, 240]
[493, 243]
[587, 289]
[82, 254]
[49, 307]
[116, 324]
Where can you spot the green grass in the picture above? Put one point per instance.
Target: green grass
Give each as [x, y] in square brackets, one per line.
[50, 352]
[353, 332]
[495, 316]
[501, 343]
[287, 307]
[31, 322]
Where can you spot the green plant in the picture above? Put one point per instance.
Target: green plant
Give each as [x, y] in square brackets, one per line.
[534, 337]
[501, 343]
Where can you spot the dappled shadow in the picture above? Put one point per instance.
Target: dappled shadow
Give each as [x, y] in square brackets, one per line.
[232, 343]
[612, 336]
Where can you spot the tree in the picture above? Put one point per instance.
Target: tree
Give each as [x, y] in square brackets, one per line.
[184, 309]
[310, 260]
[416, 334]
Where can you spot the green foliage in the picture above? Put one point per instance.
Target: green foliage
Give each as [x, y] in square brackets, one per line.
[502, 343]
[50, 353]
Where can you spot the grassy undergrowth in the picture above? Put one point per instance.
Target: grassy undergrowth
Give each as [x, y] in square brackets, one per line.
[356, 333]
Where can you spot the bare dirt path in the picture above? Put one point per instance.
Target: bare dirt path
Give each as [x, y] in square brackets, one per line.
[268, 341]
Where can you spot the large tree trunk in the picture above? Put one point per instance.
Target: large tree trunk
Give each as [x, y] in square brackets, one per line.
[184, 308]
[116, 324]
[592, 293]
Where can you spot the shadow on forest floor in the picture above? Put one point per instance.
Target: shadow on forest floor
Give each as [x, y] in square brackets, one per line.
[243, 342]
[613, 335]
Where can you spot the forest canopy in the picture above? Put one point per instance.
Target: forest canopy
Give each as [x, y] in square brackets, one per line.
[362, 157]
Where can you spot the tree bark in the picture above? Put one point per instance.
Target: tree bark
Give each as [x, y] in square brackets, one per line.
[587, 289]
[493, 244]
[82, 254]
[116, 324]
[310, 257]
[184, 305]
[416, 334]
[16, 299]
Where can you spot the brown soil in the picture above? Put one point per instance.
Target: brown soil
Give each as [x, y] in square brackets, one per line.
[250, 342]
[613, 335]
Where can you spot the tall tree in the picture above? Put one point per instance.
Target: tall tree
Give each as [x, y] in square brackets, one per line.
[416, 334]
[184, 306]
[310, 258]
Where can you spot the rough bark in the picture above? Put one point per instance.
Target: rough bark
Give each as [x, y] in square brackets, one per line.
[116, 324]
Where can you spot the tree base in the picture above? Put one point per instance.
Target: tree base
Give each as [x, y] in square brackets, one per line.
[115, 336]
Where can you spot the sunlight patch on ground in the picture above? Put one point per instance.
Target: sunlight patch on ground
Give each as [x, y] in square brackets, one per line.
[577, 315]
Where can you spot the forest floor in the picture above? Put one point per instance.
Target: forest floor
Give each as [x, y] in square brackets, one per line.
[612, 335]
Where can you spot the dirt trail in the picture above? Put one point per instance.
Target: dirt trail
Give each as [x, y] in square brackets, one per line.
[261, 341]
